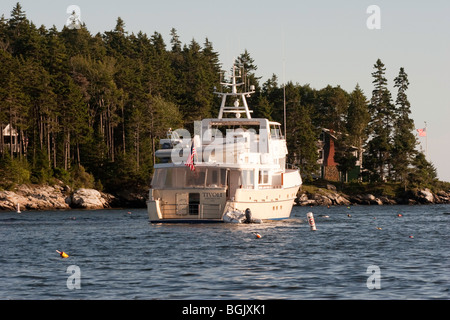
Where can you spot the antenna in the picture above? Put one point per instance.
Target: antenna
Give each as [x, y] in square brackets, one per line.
[284, 81]
[235, 95]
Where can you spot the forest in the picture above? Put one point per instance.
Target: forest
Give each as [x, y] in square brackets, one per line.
[89, 110]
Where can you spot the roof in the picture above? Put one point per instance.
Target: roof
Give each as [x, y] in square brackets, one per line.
[7, 131]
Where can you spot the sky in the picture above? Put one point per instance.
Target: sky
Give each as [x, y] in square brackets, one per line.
[322, 42]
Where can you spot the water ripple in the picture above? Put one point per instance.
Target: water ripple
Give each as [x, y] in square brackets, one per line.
[124, 257]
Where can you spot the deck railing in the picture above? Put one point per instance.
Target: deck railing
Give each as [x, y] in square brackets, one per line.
[194, 211]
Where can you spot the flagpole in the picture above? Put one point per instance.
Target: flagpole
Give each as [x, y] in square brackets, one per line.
[426, 140]
[284, 84]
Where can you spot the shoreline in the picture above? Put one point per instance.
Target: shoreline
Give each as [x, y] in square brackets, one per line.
[328, 195]
[62, 197]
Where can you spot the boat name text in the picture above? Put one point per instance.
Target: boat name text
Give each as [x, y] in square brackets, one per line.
[212, 195]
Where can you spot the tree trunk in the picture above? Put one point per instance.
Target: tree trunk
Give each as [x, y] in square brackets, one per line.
[123, 131]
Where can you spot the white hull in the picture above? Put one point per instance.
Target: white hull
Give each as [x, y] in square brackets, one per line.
[270, 204]
[210, 204]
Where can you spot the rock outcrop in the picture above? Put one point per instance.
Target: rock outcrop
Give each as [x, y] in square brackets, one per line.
[89, 199]
[322, 199]
[34, 198]
[43, 197]
[330, 197]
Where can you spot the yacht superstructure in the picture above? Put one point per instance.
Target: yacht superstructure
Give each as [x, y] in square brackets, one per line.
[231, 165]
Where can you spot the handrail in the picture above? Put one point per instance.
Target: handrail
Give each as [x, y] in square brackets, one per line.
[185, 209]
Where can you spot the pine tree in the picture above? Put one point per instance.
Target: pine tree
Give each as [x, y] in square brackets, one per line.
[331, 108]
[116, 40]
[380, 125]
[357, 119]
[23, 34]
[175, 41]
[302, 137]
[404, 141]
[270, 103]
[423, 174]
[248, 76]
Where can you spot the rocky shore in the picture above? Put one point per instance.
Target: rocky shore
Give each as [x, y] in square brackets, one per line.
[60, 196]
[328, 196]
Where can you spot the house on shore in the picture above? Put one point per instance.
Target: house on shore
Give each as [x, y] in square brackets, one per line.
[329, 169]
[10, 140]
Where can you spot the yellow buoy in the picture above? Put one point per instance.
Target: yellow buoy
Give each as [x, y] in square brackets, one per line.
[62, 254]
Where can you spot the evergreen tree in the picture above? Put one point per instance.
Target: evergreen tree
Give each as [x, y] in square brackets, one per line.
[270, 102]
[248, 75]
[175, 41]
[23, 34]
[331, 108]
[380, 126]
[302, 137]
[423, 174]
[116, 40]
[404, 141]
[357, 120]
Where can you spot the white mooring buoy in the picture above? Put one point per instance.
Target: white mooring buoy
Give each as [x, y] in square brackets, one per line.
[311, 221]
[18, 208]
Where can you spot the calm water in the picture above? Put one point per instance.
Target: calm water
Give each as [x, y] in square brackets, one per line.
[121, 256]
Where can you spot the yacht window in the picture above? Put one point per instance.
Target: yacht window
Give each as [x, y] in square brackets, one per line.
[215, 177]
[159, 178]
[247, 178]
[179, 178]
[223, 177]
[175, 178]
[196, 178]
[275, 132]
[212, 178]
[263, 177]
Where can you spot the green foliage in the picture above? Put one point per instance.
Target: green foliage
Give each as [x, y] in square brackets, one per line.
[404, 141]
[90, 109]
[380, 126]
[13, 171]
[79, 178]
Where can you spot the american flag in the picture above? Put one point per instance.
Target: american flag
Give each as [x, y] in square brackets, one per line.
[422, 132]
[190, 160]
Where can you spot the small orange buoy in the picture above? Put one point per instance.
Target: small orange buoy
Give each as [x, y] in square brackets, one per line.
[411, 237]
[399, 215]
[258, 236]
[63, 254]
[379, 228]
